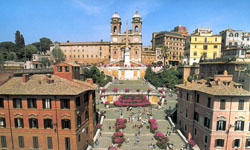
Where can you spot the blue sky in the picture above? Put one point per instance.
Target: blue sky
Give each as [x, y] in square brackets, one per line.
[89, 20]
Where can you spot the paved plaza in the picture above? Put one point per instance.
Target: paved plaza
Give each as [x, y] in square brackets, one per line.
[146, 137]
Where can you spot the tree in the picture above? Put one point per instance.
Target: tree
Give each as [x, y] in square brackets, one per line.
[1, 61]
[19, 39]
[28, 51]
[37, 45]
[12, 56]
[45, 61]
[45, 44]
[58, 55]
[165, 53]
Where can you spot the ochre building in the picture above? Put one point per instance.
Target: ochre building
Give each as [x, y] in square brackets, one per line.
[48, 111]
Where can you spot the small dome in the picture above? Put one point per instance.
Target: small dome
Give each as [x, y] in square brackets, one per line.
[137, 15]
[115, 15]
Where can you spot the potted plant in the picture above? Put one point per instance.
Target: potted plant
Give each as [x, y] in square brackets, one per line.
[99, 126]
[115, 90]
[127, 89]
[137, 90]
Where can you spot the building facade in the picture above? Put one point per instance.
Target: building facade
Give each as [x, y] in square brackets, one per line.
[215, 114]
[118, 40]
[202, 44]
[148, 55]
[85, 53]
[174, 40]
[47, 111]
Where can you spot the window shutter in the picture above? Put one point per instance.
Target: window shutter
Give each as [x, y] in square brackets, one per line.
[3, 141]
[34, 100]
[29, 101]
[69, 124]
[62, 124]
[242, 125]
[14, 103]
[21, 106]
[224, 125]
[50, 145]
[15, 120]
[45, 123]
[43, 103]
[36, 120]
[62, 104]
[30, 123]
[217, 127]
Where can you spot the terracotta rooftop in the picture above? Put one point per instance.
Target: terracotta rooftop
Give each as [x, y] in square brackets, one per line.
[37, 85]
[83, 43]
[219, 88]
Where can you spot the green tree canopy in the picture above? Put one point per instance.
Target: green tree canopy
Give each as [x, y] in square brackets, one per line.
[58, 55]
[1, 60]
[12, 56]
[45, 44]
[45, 61]
[28, 51]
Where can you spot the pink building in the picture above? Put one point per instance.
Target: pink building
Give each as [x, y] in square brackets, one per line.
[215, 113]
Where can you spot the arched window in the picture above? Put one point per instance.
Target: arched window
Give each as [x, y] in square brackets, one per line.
[231, 35]
[236, 34]
[136, 28]
[115, 29]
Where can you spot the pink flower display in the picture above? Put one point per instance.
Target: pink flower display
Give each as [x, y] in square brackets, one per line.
[149, 90]
[159, 134]
[99, 65]
[154, 126]
[163, 96]
[112, 148]
[152, 121]
[117, 65]
[110, 65]
[103, 90]
[101, 95]
[118, 134]
[132, 100]
[139, 65]
[117, 140]
[159, 103]
[102, 112]
[105, 65]
[115, 90]
[126, 65]
[127, 89]
[161, 90]
[138, 90]
[107, 103]
[132, 65]
[99, 126]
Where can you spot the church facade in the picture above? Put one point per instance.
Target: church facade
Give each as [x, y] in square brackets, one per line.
[118, 39]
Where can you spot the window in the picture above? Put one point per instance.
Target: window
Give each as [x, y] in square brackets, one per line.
[114, 52]
[236, 143]
[33, 123]
[46, 103]
[207, 122]
[3, 141]
[198, 98]
[195, 131]
[231, 35]
[79, 137]
[241, 105]
[2, 122]
[205, 40]
[235, 44]
[1, 103]
[230, 44]
[239, 125]
[248, 142]
[196, 116]
[215, 39]
[185, 127]
[82, 56]
[35, 142]
[67, 143]
[31, 103]
[222, 104]
[78, 102]
[66, 124]
[236, 34]
[208, 102]
[180, 94]
[18, 122]
[195, 38]
[21, 141]
[115, 29]
[219, 142]
[136, 28]
[17, 103]
[50, 143]
[59, 68]
[86, 114]
[186, 112]
[79, 121]
[214, 55]
[195, 46]
[205, 55]
[86, 97]
[205, 139]
[195, 53]
[65, 103]
[215, 46]
[205, 47]
[187, 96]
[221, 125]
[66, 68]
[48, 123]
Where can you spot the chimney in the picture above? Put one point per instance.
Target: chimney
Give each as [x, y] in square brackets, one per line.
[47, 78]
[25, 78]
[90, 81]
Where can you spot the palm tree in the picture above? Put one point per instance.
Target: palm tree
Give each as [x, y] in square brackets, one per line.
[165, 53]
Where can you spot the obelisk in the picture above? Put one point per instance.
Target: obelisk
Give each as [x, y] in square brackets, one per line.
[127, 51]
